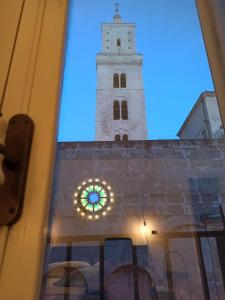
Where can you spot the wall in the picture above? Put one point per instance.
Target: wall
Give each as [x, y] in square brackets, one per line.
[173, 185]
[158, 177]
[124, 31]
[195, 124]
[214, 117]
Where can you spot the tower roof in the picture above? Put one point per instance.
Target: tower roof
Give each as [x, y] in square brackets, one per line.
[117, 18]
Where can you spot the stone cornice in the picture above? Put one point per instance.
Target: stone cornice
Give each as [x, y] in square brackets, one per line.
[119, 60]
[131, 62]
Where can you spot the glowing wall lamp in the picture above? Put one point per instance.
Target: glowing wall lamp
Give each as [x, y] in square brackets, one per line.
[14, 160]
[145, 228]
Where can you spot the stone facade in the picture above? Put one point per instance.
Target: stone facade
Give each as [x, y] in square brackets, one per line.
[119, 56]
[173, 186]
[164, 179]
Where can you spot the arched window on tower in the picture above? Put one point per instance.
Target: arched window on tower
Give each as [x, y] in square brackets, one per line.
[116, 110]
[123, 83]
[117, 138]
[125, 137]
[124, 110]
[118, 42]
[116, 80]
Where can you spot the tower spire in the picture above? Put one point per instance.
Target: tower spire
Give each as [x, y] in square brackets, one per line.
[117, 8]
[117, 17]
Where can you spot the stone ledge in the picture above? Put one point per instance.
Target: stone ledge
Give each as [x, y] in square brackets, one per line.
[147, 144]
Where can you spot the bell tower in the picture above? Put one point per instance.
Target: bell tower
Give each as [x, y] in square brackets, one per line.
[120, 101]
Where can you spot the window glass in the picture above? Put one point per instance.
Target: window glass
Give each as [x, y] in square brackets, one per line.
[142, 219]
[116, 81]
[119, 275]
[125, 138]
[117, 138]
[124, 110]
[116, 110]
[123, 82]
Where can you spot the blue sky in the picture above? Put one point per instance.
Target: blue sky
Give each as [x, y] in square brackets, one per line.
[175, 69]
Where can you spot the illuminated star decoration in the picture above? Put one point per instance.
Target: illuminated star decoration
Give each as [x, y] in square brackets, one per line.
[93, 199]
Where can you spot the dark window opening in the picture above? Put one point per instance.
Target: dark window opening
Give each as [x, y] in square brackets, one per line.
[118, 42]
[117, 138]
[116, 80]
[125, 138]
[124, 110]
[123, 80]
[116, 110]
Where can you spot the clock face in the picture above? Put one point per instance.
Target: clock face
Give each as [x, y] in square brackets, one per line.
[93, 199]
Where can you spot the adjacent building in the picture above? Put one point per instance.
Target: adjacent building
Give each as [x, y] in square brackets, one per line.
[204, 120]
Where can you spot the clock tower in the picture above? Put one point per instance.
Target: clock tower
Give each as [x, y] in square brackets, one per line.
[120, 101]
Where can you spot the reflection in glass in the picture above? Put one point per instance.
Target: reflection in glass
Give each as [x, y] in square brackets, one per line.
[175, 186]
[73, 272]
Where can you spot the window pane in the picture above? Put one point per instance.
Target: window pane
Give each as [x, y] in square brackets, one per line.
[125, 138]
[116, 80]
[144, 219]
[123, 80]
[117, 138]
[116, 110]
[124, 110]
[118, 269]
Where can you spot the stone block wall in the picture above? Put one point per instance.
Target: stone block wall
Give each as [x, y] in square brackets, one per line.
[171, 183]
[174, 186]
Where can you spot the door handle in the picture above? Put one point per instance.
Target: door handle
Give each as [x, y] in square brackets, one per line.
[15, 152]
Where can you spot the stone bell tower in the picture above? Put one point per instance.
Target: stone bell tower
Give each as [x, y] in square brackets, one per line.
[120, 101]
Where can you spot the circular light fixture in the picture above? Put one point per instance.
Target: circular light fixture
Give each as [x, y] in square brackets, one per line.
[93, 199]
